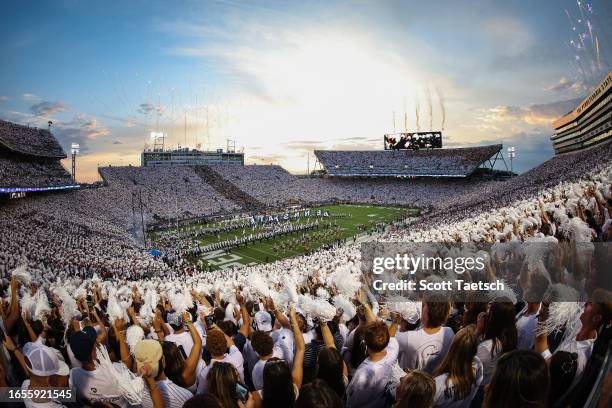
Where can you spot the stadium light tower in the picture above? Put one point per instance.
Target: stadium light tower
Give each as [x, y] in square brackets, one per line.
[74, 150]
[511, 156]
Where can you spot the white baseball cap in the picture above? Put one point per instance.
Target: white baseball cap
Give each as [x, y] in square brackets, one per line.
[263, 321]
[43, 361]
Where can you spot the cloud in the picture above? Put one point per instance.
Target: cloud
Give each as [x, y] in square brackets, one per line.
[45, 108]
[3, 98]
[82, 129]
[30, 97]
[117, 142]
[146, 108]
[267, 158]
[565, 84]
[540, 115]
[511, 32]
[307, 145]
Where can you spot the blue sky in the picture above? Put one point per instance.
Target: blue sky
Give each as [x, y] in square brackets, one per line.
[284, 78]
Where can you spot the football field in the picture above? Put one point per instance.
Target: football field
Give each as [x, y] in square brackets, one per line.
[344, 223]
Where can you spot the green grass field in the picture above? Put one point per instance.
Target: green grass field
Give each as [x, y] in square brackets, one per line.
[354, 218]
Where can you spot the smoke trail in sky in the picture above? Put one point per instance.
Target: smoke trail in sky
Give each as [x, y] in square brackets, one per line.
[442, 107]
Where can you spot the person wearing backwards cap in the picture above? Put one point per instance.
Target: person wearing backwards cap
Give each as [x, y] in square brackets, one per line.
[91, 384]
[44, 368]
[149, 352]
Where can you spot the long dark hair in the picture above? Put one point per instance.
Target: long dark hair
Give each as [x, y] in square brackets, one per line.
[458, 363]
[174, 363]
[520, 379]
[331, 369]
[222, 379]
[278, 388]
[359, 350]
[501, 327]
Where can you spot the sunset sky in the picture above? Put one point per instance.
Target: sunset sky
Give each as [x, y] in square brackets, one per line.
[284, 78]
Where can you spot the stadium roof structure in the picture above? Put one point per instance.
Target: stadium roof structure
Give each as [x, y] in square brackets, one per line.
[454, 163]
[30, 141]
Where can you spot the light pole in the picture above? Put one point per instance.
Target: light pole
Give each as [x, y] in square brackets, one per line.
[74, 149]
[511, 156]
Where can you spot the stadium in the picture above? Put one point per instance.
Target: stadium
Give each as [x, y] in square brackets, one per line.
[200, 279]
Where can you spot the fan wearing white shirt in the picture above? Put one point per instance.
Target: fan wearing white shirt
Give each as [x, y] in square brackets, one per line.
[460, 373]
[526, 323]
[367, 389]
[217, 344]
[497, 328]
[425, 348]
[596, 314]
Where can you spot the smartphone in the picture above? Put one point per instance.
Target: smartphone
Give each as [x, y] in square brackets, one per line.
[209, 320]
[183, 353]
[242, 392]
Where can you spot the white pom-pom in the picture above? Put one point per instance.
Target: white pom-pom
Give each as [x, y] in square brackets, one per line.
[119, 377]
[41, 307]
[561, 315]
[322, 293]
[348, 309]
[407, 309]
[181, 300]
[346, 283]
[133, 335]
[114, 309]
[318, 308]
[22, 275]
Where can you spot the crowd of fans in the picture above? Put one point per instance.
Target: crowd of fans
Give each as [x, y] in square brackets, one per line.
[84, 305]
[168, 192]
[275, 187]
[29, 141]
[458, 162]
[29, 173]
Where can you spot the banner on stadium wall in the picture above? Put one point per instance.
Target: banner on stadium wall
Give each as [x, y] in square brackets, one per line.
[288, 216]
[586, 103]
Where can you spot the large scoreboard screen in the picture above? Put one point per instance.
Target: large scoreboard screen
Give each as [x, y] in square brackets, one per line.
[413, 140]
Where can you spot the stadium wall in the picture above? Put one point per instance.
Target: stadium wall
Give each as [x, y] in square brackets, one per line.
[590, 123]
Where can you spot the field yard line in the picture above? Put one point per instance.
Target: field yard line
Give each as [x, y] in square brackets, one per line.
[265, 252]
[248, 256]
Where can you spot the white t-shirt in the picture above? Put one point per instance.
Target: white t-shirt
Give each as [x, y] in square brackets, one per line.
[173, 395]
[583, 350]
[182, 339]
[367, 389]
[444, 390]
[257, 372]
[31, 404]
[234, 357]
[95, 386]
[488, 361]
[422, 351]
[284, 340]
[526, 329]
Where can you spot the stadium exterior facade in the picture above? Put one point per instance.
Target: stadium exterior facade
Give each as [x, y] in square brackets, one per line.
[190, 157]
[590, 123]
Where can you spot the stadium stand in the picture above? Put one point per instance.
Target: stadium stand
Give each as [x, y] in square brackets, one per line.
[229, 190]
[459, 162]
[276, 187]
[168, 192]
[30, 141]
[29, 158]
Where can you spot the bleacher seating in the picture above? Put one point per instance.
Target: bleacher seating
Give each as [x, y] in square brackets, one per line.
[29, 141]
[458, 162]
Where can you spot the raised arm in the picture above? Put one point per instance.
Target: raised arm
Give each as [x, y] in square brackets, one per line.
[541, 341]
[156, 395]
[191, 364]
[328, 338]
[245, 329]
[298, 359]
[280, 316]
[159, 326]
[11, 347]
[124, 349]
[13, 314]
